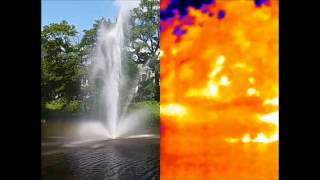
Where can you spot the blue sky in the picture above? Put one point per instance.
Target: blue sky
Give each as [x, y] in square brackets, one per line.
[81, 13]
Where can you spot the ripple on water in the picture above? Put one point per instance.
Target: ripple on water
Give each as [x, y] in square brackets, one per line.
[122, 159]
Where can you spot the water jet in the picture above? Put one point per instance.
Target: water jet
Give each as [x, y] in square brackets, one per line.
[109, 66]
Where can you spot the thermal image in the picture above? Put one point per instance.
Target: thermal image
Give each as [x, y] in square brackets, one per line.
[219, 89]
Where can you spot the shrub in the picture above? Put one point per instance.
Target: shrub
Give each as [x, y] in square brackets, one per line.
[73, 106]
[55, 105]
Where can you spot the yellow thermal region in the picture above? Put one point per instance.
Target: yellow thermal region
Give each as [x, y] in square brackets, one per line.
[219, 94]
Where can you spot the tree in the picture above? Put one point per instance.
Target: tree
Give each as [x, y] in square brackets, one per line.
[145, 38]
[61, 64]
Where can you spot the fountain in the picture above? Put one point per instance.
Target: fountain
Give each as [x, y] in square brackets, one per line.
[109, 67]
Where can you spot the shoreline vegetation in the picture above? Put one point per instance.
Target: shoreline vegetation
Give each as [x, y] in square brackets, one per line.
[64, 126]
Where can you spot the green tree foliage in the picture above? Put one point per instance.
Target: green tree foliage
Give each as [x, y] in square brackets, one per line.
[61, 66]
[145, 38]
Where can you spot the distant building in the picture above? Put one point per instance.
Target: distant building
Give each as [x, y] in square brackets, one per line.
[145, 73]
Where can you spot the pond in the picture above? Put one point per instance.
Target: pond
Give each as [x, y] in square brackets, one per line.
[65, 158]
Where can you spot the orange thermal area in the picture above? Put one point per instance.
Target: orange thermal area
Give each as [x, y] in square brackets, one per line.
[219, 94]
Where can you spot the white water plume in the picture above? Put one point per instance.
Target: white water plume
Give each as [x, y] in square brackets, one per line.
[109, 69]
